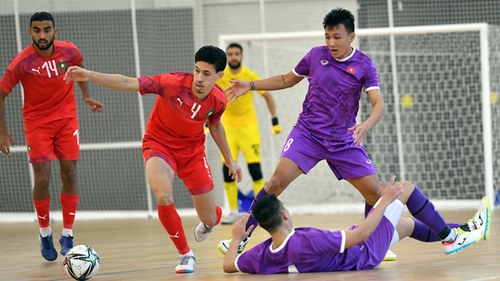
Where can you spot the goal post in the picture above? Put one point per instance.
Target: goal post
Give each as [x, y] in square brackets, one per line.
[444, 140]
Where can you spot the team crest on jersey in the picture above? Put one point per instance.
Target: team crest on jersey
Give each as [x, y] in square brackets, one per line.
[29, 148]
[62, 65]
[351, 70]
[210, 112]
[323, 62]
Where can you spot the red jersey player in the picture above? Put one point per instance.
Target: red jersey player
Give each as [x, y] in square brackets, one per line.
[50, 122]
[174, 141]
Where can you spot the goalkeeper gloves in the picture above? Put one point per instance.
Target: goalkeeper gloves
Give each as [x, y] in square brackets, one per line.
[276, 126]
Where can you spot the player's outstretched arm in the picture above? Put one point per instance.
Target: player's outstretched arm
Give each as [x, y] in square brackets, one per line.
[5, 137]
[278, 82]
[389, 193]
[95, 106]
[113, 81]
[238, 234]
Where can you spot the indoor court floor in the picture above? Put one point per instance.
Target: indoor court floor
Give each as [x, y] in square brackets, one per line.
[139, 249]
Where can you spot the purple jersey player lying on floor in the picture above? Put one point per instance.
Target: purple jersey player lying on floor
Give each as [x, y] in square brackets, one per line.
[306, 249]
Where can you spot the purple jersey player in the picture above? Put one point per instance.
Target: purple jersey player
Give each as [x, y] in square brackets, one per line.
[361, 247]
[326, 128]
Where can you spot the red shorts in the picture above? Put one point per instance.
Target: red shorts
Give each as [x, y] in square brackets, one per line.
[190, 164]
[56, 139]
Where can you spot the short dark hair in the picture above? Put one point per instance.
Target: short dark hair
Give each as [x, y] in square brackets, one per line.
[41, 16]
[213, 55]
[235, 45]
[339, 16]
[267, 212]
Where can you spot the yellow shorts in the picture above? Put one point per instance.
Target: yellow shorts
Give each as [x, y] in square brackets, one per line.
[244, 138]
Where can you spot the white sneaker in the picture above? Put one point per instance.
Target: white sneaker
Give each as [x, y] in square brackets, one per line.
[201, 232]
[186, 265]
[390, 256]
[232, 217]
[224, 245]
[482, 218]
[462, 240]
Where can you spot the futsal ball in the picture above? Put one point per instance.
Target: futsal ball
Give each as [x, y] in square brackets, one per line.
[81, 262]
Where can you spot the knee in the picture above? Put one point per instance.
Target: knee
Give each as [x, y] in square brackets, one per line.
[68, 176]
[42, 181]
[275, 186]
[164, 198]
[408, 187]
[255, 171]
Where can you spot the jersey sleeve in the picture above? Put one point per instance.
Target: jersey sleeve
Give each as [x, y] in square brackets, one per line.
[9, 79]
[246, 262]
[78, 59]
[219, 109]
[371, 81]
[150, 84]
[303, 67]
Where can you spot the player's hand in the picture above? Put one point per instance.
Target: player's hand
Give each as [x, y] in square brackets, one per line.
[95, 106]
[5, 139]
[276, 127]
[359, 131]
[239, 233]
[237, 89]
[234, 171]
[392, 191]
[76, 73]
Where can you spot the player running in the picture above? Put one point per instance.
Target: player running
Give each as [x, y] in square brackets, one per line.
[174, 142]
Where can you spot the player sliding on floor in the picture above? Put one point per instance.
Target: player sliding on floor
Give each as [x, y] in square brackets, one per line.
[299, 250]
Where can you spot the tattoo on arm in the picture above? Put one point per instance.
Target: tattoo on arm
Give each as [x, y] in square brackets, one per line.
[283, 78]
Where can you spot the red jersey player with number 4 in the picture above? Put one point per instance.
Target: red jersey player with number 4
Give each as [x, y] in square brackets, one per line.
[50, 122]
[174, 141]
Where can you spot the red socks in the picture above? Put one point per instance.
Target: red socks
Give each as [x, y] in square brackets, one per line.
[69, 203]
[42, 208]
[172, 223]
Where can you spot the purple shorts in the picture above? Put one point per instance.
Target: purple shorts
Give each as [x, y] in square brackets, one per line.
[345, 159]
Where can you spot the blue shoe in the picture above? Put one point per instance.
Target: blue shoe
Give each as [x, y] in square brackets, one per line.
[47, 248]
[66, 243]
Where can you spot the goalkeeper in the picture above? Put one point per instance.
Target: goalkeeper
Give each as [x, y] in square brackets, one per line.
[242, 128]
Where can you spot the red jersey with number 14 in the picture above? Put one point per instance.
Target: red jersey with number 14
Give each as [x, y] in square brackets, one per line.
[46, 96]
[178, 116]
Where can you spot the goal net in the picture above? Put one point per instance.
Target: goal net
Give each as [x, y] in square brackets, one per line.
[440, 130]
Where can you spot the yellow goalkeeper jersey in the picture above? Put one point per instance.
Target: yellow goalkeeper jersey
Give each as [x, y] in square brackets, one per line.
[241, 111]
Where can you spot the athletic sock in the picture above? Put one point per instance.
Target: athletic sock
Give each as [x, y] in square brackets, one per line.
[69, 204]
[232, 194]
[67, 232]
[172, 223]
[368, 208]
[218, 211]
[45, 231]
[42, 208]
[423, 210]
[258, 185]
[422, 233]
[251, 219]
